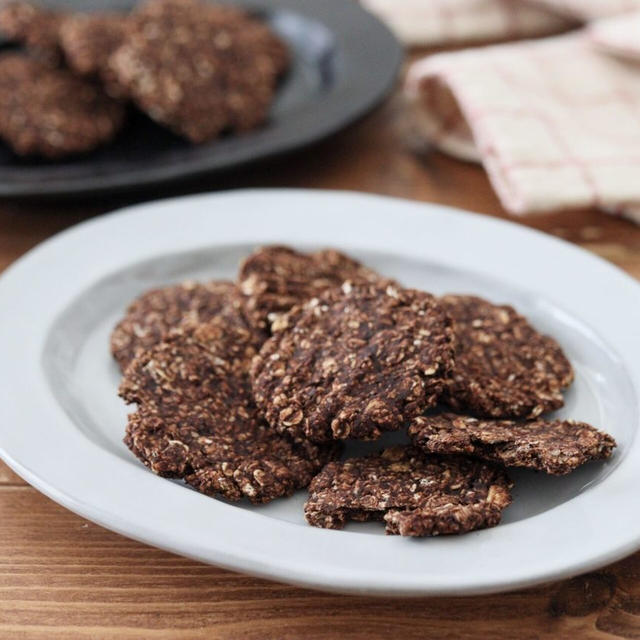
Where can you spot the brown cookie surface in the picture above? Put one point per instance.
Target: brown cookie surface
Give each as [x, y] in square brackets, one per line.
[415, 494]
[197, 68]
[357, 361]
[196, 418]
[276, 278]
[51, 112]
[554, 446]
[273, 54]
[34, 26]
[153, 314]
[88, 40]
[504, 367]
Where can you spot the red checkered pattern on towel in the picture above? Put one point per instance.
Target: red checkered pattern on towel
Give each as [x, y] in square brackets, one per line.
[555, 122]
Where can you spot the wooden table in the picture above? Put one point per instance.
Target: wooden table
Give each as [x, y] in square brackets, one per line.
[62, 577]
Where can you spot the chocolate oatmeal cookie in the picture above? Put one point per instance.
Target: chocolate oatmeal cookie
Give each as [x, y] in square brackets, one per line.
[88, 40]
[196, 418]
[357, 361]
[153, 314]
[34, 26]
[274, 54]
[197, 68]
[553, 446]
[504, 367]
[415, 494]
[51, 112]
[274, 279]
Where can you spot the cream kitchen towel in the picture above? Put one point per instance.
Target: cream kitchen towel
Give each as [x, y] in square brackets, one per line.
[555, 122]
[437, 22]
[440, 22]
[587, 10]
[620, 35]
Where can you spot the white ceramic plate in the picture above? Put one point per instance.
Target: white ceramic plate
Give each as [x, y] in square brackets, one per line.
[62, 423]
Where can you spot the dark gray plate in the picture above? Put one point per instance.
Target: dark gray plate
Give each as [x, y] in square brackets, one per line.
[344, 62]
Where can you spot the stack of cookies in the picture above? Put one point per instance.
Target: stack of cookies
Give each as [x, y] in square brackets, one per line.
[196, 68]
[250, 389]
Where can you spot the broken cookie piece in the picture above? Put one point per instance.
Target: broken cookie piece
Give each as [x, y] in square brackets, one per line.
[196, 418]
[274, 279]
[355, 362]
[152, 315]
[51, 112]
[503, 368]
[554, 446]
[414, 493]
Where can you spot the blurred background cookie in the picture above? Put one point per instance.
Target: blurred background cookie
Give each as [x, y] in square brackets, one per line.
[198, 69]
[34, 26]
[52, 113]
[88, 41]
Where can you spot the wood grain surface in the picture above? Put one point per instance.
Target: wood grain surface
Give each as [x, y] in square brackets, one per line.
[62, 577]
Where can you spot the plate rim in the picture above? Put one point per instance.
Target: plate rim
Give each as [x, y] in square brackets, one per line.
[246, 561]
[338, 17]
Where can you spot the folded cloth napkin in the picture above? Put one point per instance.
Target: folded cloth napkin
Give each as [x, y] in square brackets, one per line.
[556, 122]
[587, 10]
[619, 36]
[437, 22]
